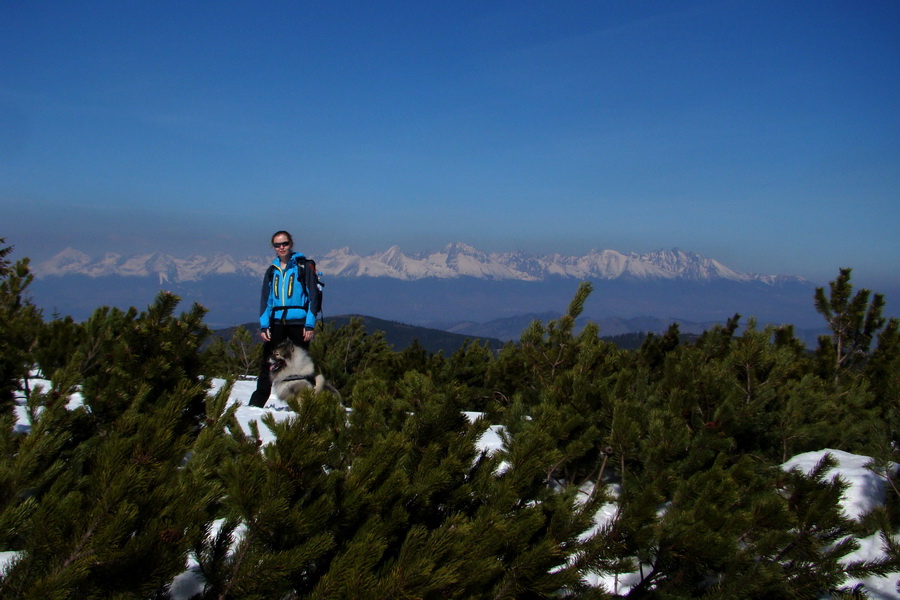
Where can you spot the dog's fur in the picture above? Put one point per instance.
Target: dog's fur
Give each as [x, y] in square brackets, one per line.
[292, 369]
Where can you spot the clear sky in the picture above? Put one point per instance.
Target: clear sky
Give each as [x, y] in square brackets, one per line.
[765, 134]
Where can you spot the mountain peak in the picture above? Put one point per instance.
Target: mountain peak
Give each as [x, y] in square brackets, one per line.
[67, 261]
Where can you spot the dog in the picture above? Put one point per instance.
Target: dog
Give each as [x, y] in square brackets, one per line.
[291, 369]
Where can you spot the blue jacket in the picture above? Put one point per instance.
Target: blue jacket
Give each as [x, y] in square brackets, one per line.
[284, 298]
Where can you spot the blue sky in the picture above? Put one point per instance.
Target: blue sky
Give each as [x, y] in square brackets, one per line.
[763, 134]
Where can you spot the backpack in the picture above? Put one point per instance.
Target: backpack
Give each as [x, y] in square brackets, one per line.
[313, 286]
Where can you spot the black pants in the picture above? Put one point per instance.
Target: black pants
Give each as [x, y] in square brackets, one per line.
[277, 334]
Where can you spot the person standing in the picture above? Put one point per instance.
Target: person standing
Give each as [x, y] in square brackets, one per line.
[285, 311]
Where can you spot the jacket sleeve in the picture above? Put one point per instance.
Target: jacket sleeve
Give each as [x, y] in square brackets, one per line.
[265, 300]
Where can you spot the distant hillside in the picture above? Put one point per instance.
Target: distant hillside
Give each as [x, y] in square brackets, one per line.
[398, 335]
[622, 332]
[401, 335]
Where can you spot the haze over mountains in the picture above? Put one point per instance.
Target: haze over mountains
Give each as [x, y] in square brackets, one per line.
[458, 288]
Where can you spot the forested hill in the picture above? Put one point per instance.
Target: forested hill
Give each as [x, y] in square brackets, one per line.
[398, 335]
[402, 335]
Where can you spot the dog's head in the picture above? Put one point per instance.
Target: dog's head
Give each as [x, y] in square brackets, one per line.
[281, 355]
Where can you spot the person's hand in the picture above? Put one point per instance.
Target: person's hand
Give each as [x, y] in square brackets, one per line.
[308, 335]
[264, 334]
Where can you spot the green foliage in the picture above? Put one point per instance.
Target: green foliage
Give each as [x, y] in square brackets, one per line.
[392, 500]
[57, 341]
[96, 497]
[853, 320]
[679, 441]
[126, 356]
[883, 375]
[20, 322]
[652, 353]
[348, 351]
[239, 357]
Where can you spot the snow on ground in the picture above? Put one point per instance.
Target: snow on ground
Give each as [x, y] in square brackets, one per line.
[866, 490]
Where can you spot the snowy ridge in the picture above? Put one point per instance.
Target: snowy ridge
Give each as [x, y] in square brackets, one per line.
[163, 266]
[454, 260]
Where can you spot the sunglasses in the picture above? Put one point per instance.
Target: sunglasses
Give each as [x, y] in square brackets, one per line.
[281, 244]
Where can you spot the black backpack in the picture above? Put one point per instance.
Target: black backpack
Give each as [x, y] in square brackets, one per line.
[313, 286]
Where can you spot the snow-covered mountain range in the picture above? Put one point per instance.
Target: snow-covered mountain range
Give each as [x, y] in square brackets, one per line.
[453, 261]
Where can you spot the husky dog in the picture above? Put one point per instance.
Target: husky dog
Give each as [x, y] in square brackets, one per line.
[291, 370]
